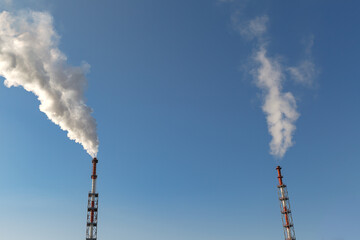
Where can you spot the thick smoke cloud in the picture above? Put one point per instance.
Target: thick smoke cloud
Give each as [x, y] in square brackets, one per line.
[30, 58]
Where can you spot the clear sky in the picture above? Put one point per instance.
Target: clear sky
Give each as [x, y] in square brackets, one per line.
[184, 145]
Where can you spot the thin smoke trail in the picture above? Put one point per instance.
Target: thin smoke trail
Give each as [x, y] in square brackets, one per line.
[30, 58]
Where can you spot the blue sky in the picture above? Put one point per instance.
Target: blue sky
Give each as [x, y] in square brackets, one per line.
[184, 145]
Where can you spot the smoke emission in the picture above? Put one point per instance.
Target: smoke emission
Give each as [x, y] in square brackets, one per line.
[30, 58]
[279, 107]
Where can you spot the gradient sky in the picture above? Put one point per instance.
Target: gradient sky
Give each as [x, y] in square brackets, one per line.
[184, 145]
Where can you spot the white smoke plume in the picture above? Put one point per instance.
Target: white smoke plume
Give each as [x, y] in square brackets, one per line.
[279, 107]
[30, 58]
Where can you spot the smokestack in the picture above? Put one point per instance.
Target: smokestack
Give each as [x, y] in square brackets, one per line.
[287, 220]
[92, 209]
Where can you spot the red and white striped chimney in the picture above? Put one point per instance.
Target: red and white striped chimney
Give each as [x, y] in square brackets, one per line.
[287, 220]
[92, 209]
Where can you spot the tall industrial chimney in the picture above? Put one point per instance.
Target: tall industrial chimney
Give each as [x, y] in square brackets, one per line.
[92, 209]
[287, 220]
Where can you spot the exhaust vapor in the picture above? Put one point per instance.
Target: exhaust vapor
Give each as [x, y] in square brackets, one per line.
[279, 107]
[30, 58]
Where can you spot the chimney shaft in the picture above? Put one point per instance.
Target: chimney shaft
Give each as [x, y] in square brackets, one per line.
[92, 209]
[287, 220]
